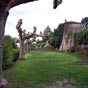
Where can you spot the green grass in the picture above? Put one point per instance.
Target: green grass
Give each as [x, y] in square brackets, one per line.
[45, 67]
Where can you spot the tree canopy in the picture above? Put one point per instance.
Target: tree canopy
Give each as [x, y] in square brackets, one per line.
[85, 19]
[56, 37]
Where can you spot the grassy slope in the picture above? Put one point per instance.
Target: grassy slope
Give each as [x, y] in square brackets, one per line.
[46, 67]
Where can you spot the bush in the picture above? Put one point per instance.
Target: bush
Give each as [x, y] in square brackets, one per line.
[15, 54]
[81, 37]
[9, 52]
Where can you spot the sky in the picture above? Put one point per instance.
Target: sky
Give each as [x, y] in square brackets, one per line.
[41, 13]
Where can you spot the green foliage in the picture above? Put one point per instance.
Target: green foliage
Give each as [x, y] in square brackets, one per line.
[41, 43]
[46, 67]
[56, 37]
[81, 37]
[15, 54]
[9, 52]
[14, 43]
[85, 19]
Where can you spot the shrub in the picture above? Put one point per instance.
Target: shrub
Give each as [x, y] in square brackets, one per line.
[15, 54]
[9, 52]
[81, 37]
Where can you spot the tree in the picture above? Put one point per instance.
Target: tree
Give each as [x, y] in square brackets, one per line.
[22, 37]
[85, 19]
[29, 42]
[5, 6]
[84, 22]
[56, 37]
[47, 32]
[56, 3]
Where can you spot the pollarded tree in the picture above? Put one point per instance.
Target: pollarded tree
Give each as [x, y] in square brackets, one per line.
[47, 32]
[22, 37]
[5, 6]
[45, 36]
[29, 42]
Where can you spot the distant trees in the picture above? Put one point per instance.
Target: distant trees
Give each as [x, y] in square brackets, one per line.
[84, 22]
[85, 19]
[46, 33]
[10, 52]
[56, 37]
[40, 43]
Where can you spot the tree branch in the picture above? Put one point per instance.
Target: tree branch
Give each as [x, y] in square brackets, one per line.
[18, 2]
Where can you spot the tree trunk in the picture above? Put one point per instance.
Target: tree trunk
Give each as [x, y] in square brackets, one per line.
[27, 47]
[3, 18]
[21, 52]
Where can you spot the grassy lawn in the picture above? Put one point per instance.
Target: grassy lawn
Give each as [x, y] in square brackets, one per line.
[44, 68]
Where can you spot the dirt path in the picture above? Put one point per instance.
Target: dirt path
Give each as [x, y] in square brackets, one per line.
[66, 83]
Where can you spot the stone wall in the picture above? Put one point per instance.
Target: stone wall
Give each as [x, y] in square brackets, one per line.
[81, 49]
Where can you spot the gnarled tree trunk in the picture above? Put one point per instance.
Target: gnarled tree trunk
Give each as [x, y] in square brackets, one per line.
[3, 18]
